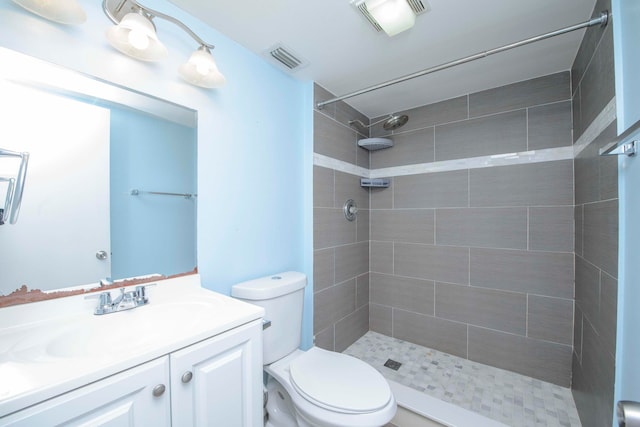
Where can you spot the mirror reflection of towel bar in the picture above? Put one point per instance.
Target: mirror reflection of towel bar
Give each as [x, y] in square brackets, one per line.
[16, 187]
[136, 192]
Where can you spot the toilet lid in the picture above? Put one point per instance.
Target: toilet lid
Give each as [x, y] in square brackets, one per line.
[339, 382]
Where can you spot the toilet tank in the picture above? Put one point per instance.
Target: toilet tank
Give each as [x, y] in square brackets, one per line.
[282, 296]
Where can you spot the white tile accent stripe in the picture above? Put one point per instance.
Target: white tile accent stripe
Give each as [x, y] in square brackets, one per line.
[604, 119]
[339, 165]
[534, 156]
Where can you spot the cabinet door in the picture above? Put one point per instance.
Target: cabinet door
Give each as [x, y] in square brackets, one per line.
[218, 382]
[122, 400]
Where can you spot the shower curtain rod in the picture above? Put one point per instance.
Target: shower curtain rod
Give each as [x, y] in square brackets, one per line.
[602, 20]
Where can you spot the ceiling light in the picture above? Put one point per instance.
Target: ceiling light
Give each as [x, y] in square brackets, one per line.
[394, 16]
[61, 11]
[201, 69]
[135, 35]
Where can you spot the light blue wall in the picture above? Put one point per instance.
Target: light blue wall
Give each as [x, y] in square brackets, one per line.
[151, 233]
[254, 138]
[626, 15]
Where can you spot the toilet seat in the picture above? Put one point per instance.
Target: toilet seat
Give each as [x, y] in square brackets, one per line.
[319, 376]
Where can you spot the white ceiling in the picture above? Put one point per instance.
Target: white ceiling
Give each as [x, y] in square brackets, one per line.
[346, 54]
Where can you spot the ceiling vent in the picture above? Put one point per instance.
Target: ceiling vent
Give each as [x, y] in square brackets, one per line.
[419, 7]
[285, 57]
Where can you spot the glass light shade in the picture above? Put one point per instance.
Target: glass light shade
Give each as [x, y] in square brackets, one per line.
[136, 36]
[201, 70]
[394, 16]
[61, 11]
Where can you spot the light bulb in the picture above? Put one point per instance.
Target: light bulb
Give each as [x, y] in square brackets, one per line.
[138, 39]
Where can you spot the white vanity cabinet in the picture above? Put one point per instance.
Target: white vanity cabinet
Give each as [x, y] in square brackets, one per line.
[215, 382]
[122, 400]
[218, 382]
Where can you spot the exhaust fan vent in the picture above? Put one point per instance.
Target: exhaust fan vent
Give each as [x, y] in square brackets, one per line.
[286, 57]
[419, 7]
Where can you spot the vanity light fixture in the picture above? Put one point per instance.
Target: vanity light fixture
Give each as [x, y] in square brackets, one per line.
[61, 11]
[135, 35]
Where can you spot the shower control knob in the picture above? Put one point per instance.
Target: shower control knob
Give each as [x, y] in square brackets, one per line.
[159, 390]
[187, 376]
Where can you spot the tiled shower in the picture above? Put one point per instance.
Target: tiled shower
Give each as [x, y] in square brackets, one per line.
[512, 265]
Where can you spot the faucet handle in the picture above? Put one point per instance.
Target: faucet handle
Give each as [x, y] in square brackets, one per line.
[141, 295]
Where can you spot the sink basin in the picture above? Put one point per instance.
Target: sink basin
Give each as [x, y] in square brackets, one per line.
[50, 347]
[128, 331]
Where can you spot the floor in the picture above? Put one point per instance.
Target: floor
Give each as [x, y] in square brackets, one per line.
[507, 397]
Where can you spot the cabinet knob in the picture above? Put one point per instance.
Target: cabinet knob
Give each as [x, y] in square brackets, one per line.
[187, 376]
[159, 390]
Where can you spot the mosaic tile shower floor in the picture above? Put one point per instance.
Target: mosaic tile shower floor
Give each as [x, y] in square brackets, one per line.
[507, 397]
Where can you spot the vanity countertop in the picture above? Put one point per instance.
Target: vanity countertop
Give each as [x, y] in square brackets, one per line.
[51, 347]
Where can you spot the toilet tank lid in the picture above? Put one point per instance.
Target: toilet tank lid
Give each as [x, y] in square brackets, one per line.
[270, 286]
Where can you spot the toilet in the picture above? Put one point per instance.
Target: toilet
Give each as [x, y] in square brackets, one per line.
[314, 387]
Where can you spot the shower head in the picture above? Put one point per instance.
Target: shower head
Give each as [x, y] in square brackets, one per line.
[394, 122]
[390, 123]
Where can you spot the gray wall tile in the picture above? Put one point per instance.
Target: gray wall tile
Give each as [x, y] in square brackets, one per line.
[597, 87]
[440, 263]
[551, 228]
[381, 257]
[537, 184]
[382, 198]
[504, 311]
[362, 290]
[380, 319]
[482, 227]
[546, 361]
[332, 139]
[325, 339]
[450, 110]
[333, 303]
[330, 228]
[363, 157]
[402, 292]
[348, 187]
[596, 176]
[321, 94]
[542, 90]
[435, 190]
[439, 334]
[322, 187]
[601, 235]
[345, 113]
[500, 133]
[352, 327]
[577, 116]
[599, 368]
[578, 218]
[411, 225]
[550, 319]
[588, 45]
[351, 261]
[549, 126]
[408, 148]
[362, 225]
[542, 273]
[587, 289]
[607, 321]
[323, 269]
[577, 333]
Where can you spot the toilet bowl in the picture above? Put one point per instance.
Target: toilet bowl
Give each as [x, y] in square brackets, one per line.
[314, 387]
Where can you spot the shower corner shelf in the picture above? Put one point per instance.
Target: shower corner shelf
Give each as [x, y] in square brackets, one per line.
[375, 182]
[374, 144]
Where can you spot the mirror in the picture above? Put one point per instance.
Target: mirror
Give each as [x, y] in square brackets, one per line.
[110, 189]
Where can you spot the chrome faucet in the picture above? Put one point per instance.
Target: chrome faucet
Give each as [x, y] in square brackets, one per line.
[124, 301]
